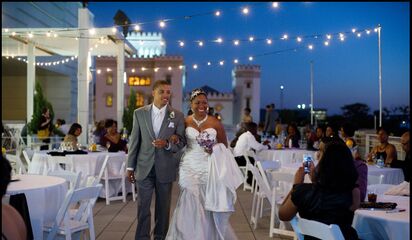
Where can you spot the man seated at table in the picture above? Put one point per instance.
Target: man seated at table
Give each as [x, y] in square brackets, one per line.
[71, 137]
[246, 142]
[384, 150]
[405, 165]
[12, 224]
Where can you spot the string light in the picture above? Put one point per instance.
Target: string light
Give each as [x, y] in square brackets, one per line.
[326, 43]
[209, 63]
[310, 47]
[275, 4]
[162, 24]
[250, 58]
[245, 10]
[195, 66]
[137, 27]
[236, 42]
[299, 39]
[235, 61]
[181, 43]
[200, 43]
[221, 63]
[217, 13]
[114, 30]
[269, 41]
[219, 40]
[284, 37]
[251, 39]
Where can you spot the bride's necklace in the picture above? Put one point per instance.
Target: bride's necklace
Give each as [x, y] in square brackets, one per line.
[198, 123]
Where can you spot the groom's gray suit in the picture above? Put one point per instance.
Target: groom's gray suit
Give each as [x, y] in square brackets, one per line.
[155, 168]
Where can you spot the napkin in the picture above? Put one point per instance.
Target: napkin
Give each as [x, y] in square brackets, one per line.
[399, 190]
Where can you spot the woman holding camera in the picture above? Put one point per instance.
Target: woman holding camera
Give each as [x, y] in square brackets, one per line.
[333, 195]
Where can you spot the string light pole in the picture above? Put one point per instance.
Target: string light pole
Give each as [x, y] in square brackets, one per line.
[311, 92]
[380, 75]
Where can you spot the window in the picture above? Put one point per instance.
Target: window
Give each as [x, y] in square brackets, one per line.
[248, 84]
[109, 100]
[248, 102]
[109, 78]
[139, 81]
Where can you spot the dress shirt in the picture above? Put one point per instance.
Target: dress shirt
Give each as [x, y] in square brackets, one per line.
[157, 118]
[246, 142]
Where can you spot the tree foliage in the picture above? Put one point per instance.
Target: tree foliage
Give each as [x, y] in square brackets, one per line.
[128, 112]
[40, 101]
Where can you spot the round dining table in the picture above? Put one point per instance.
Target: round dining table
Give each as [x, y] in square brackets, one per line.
[44, 196]
[286, 155]
[88, 164]
[380, 224]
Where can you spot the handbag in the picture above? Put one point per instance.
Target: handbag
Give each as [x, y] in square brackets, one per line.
[43, 134]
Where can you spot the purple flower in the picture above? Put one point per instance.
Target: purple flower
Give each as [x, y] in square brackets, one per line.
[206, 141]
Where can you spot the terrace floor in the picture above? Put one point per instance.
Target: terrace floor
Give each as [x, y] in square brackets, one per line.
[118, 220]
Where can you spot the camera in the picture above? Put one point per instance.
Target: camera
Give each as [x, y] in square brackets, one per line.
[307, 159]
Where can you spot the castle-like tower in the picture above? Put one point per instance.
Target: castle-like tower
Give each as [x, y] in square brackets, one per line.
[246, 88]
[148, 44]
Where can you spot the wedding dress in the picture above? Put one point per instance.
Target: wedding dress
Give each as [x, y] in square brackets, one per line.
[203, 210]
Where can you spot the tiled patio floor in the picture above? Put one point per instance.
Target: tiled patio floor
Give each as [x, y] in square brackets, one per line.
[117, 221]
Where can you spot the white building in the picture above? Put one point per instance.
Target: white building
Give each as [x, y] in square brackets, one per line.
[245, 93]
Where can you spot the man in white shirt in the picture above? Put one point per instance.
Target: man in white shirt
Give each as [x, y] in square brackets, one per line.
[247, 142]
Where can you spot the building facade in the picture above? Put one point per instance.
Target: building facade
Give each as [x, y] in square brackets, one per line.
[140, 74]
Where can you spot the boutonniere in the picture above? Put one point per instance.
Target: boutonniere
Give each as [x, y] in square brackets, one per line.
[172, 115]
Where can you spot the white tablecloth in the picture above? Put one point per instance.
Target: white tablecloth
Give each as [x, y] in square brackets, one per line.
[89, 164]
[392, 175]
[378, 224]
[285, 156]
[44, 195]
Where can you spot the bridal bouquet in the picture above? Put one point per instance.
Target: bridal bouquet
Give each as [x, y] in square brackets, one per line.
[206, 141]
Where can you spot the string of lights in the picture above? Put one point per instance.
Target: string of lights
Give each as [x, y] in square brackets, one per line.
[325, 38]
[138, 26]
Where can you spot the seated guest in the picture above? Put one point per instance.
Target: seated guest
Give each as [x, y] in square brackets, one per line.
[405, 165]
[331, 131]
[311, 138]
[332, 197]
[99, 132]
[12, 224]
[384, 150]
[247, 142]
[71, 137]
[293, 133]
[347, 133]
[112, 139]
[246, 115]
[320, 133]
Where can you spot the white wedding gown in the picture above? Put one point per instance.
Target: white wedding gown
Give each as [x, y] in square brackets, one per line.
[190, 218]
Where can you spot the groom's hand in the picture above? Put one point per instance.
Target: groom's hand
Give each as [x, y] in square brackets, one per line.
[160, 143]
[130, 176]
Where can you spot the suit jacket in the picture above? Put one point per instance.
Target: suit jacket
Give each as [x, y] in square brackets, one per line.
[143, 155]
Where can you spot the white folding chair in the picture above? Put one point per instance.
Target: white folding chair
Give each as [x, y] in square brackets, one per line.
[373, 179]
[15, 161]
[72, 177]
[94, 180]
[65, 224]
[247, 186]
[26, 158]
[316, 229]
[274, 196]
[115, 174]
[55, 163]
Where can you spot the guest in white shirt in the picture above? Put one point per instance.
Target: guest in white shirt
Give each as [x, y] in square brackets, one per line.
[246, 141]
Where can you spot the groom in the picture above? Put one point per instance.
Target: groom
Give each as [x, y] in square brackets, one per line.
[158, 132]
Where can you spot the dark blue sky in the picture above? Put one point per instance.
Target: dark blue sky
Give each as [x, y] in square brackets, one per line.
[344, 72]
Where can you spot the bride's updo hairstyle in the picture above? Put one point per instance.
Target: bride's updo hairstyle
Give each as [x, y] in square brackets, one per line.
[196, 92]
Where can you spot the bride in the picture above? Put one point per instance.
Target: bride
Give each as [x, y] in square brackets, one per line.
[199, 214]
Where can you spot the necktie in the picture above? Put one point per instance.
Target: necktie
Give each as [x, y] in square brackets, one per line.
[157, 123]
